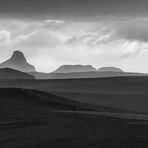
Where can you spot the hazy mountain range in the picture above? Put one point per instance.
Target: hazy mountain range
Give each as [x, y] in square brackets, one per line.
[76, 113]
[18, 62]
[74, 68]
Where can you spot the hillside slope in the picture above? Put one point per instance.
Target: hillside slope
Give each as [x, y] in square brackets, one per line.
[33, 119]
[7, 73]
[128, 93]
[36, 99]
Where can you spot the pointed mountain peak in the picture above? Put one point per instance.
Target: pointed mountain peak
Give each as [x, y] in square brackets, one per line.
[18, 61]
[17, 52]
[18, 56]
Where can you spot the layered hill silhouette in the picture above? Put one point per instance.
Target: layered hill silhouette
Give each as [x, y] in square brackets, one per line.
[7, 73]
[129, 93]
[80, 75]
[35, 99]
[18, 61]
[81, 71]
[76, 113]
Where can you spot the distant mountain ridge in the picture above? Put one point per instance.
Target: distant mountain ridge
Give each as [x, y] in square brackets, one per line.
[81, 75]
[74, 68]
[81, 71]
[18, 61]
[110, 69]
[84, 68]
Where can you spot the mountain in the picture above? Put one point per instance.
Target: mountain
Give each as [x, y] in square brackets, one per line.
[18, 61]
[110, 69]
[7, 73]
[129, 93]
[50, 101]
[74, 68]
[80, 71]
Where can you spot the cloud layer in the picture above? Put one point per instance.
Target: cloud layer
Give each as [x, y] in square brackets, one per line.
[35, 9]
[51, 43]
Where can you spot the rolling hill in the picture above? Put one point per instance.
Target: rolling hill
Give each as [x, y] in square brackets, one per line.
[34, 98]
[128, 93]
[13, 98]
[31, 119]
[7, 73]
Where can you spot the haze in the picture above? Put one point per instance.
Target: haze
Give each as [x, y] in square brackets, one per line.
[56, 32]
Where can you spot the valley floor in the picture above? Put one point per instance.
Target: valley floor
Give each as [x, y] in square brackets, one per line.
[67, 129]
[33, 117]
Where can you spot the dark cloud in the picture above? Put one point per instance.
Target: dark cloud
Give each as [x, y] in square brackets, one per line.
[135, 30]
[71, 8]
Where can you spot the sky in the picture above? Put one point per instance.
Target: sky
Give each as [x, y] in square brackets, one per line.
[52, 33]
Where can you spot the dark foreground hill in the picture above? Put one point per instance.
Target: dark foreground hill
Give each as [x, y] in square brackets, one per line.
[7, 73]
[33, 119]
[34, 99]
[121, 92]
[13, 101]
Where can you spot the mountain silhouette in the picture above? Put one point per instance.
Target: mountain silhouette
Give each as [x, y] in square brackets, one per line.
[110, 69]
[74, 68]
[18, 62]
[80, 71]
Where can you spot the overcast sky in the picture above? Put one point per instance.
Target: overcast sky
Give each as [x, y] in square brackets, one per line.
[56, 32]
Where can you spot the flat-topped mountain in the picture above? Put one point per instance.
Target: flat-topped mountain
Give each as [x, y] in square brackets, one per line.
[7, 73]
[70, 73]
[18, 61]
[110, 69]
[74, 68]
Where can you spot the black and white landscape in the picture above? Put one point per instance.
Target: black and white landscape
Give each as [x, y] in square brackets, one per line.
[73, 74]
[108, 109]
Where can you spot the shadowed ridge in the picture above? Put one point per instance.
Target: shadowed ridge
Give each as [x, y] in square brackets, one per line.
[50, 101]
[24, 98]
[8, 73]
